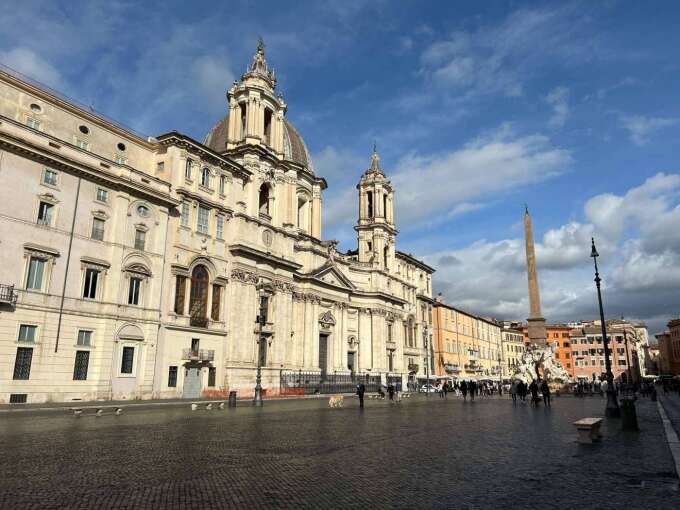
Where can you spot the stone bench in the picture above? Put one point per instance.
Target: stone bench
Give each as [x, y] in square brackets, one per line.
[588, 430]
[208, 405]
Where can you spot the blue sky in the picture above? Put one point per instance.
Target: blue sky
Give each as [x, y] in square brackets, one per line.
[476, 107]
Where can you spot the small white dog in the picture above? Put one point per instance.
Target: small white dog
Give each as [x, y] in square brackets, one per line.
[336, 401]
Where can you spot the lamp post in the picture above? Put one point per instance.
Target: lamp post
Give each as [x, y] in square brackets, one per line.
[262, 320]
[427, 362]
[612, 410]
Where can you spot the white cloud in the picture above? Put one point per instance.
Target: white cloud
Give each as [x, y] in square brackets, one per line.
[640, 128]
[429, 186]
[640, 268]
[32, 65]
[558, 98]
[499, 58]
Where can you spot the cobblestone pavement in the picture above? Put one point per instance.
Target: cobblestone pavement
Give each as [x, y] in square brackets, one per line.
[671, 403]
[423, 453]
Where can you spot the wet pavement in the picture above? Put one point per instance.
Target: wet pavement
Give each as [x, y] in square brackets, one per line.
[423, 453]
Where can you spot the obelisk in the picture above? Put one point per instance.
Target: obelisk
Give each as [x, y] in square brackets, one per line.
[537, 335]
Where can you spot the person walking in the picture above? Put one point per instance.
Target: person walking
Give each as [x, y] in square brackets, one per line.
[361, 389]
[545, 390]
[533, 388]
[473, 390]
[464, 390]
[513, 391]
[445, 389]
[390, 391]
[397, 391]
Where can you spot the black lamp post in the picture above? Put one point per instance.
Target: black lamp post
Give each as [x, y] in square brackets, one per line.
[628, 360]
[612, 410]
[427, 362]
[262, 320]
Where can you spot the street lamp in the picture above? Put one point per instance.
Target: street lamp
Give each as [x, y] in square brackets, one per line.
[612, 410]
[262, 320]
[427, 362]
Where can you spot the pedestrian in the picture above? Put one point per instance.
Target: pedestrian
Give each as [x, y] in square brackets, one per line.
[361, 389]
[397, 391]
[445, 390]
[390, 391]
[533, 388]
[473, 390]
[513, 391]
[464, 389]
[545, 390]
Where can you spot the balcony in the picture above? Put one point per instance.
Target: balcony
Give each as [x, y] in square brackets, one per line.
[451, 368]
[7, 294]
[413, 368]
[198, 322]
[199, 355]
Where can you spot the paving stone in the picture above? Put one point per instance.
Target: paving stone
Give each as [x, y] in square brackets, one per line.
[424, 453]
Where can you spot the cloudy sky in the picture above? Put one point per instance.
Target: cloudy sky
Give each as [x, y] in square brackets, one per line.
[477, 108]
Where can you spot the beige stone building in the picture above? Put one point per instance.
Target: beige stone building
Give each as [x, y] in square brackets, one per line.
[138, 267]
[512, 341]
[465, 346]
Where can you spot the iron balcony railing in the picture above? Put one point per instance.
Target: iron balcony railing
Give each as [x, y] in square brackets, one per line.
[198, 355]
[7, 294]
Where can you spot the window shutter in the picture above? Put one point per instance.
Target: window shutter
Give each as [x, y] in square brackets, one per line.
[180, 286]
[216, 296]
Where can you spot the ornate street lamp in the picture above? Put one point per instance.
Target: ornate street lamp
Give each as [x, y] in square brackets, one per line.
[262, 320]
[427, 362]
[628, 359]
[612, 410]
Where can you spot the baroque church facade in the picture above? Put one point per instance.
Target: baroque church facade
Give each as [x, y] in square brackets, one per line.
[137, 268]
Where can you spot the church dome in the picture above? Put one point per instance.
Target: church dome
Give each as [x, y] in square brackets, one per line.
[294, 148]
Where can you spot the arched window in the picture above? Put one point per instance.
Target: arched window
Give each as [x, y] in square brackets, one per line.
[187, 170]
[244, 116]
[205, 177]
[198, 300]
[268, 126]
[264, 199]
[303, 213]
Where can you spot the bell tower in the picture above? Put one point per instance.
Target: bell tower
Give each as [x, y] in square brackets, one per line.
[376, 232]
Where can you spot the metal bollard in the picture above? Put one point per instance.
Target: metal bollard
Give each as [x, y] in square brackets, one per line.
[193, 407]
[100, 412]
[628, 414]
[232, 399]
[119, 411]
[221, 406]
[208, 407]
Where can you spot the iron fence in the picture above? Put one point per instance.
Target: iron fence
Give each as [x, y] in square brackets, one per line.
[310, 383]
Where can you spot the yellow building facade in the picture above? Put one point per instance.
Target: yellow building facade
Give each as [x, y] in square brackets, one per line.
[465, 346]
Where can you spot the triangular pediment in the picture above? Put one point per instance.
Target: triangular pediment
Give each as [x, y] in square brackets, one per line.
[331, 275]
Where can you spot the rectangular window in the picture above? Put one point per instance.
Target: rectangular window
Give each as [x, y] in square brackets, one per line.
[90, 287]
[133, 291]
[33, 123]
[127, 360]
[216, 296]
[195, 344]
[172, 377]
[140, 239]
[184, 220]
[102, 195]
[212, 372]
[36, 270]
[22, 363]
[82, 144]
[187, 170]
[219, 230]
[84, 337]
[180, 286]
[80, 366]
[27, 333]
[50, 177]
[203, 214]
[223, 181]
[97, 229]
[45, 213]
